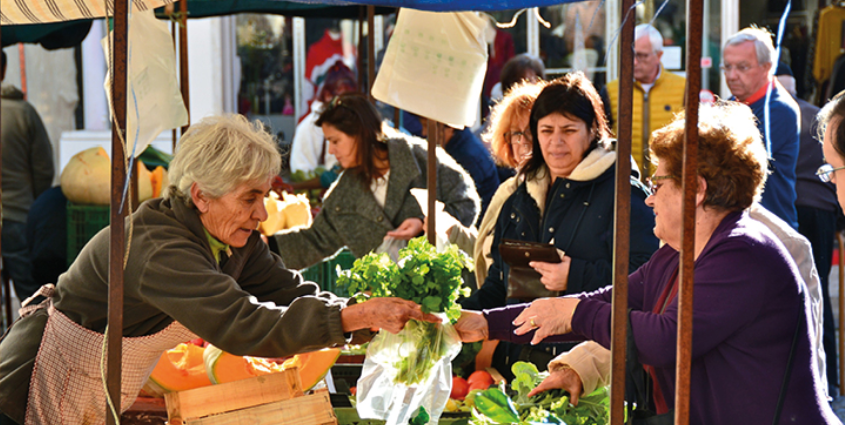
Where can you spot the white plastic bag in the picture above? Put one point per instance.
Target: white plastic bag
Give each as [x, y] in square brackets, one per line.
[153, 99]
[391, 247]
[396, 380]
[435, 65]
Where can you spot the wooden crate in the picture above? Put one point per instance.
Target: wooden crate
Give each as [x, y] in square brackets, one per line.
[263, 400]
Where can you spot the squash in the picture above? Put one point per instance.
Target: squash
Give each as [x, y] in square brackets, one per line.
[179, 369]
[223, 367]
[297, 210]
[275, 218]
[86, 179]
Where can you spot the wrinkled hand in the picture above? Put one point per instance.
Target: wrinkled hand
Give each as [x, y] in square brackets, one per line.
[565, 379]
[554, 276]
[549, 316]
[387, 313]
[471, 326]
[408, 230]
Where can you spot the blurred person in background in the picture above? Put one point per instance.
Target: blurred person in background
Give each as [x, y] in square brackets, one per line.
[658, 94]
[28, 171]
[817, 210]
[371, 198]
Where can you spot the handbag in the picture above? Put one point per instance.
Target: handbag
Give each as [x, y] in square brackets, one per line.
[523, 281]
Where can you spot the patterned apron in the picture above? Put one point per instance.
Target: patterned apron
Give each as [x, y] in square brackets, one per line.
[67, 387]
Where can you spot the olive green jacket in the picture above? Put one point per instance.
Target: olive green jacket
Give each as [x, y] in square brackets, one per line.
[251, 305]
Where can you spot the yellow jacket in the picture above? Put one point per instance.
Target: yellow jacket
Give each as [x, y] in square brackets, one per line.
[664, 100]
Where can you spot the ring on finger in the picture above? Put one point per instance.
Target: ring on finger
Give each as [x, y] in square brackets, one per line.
[533, 325]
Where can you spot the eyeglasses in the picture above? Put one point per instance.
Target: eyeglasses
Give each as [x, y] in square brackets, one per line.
[641, 56]
[652, 184]
[519, 138]
[825, 172]
[742, 69]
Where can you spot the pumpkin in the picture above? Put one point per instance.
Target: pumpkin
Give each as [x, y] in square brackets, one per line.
[86, 179]
[179, 369]
[289, 212]
[223, 367]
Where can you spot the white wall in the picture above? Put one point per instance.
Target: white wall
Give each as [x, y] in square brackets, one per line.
[212, 67]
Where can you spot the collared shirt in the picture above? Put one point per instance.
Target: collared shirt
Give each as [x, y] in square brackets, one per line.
[759, 94]
[217, 247]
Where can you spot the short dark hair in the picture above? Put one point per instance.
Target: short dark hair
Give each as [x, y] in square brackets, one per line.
[354, 115]
[338, 77]
[514, 70]
[834, 111]
[575, 97]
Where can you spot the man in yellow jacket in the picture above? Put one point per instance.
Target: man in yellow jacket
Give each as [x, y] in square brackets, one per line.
[658, 94]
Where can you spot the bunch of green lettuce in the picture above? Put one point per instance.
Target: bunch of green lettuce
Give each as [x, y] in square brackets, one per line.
[495, 406]
[431, 279]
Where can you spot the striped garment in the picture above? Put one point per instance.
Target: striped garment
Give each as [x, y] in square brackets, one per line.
[43, 11]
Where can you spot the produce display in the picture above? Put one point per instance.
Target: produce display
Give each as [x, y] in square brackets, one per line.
[513, 406]
[86, 179]
[287, 212]
[190, 366]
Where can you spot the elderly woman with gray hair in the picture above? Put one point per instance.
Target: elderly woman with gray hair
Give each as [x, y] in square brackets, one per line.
[196, 267]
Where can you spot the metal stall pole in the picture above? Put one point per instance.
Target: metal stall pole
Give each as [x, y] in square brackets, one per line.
[433, 141]
[695, 10]
[371, 51]
[173, 135]
[622, 218]
[183, 62]
[114, 333]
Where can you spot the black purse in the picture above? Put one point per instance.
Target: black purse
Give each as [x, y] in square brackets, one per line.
[523, 281]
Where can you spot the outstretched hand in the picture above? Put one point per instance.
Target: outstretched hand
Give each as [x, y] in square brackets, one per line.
[565, 379]
[408, 230]
[549, 316]
[388, 313]
[471, 326]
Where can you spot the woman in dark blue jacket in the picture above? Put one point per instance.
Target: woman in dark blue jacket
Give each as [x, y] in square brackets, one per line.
[566, 198]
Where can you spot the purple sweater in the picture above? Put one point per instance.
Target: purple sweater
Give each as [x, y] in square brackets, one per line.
[747, 300]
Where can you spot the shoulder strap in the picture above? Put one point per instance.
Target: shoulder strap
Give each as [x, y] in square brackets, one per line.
[789, 362]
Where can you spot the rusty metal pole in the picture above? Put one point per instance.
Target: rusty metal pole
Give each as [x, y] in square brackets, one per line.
[622, 218]
[116, 226]
[359, 60]
[183, 61]
[371, 51]
[433, 142]
[22, 60]
[695, 13]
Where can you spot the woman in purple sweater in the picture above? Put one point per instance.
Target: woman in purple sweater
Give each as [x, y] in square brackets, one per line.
[748, 293]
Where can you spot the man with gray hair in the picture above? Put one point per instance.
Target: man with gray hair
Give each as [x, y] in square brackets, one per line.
[747, 63]
[658, 94]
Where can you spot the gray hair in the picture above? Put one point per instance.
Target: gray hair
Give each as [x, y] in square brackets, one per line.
[654, 36]
[762, 39]
[220, 153]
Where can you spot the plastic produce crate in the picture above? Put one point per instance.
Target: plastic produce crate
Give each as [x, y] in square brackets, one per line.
[83, 222]
[325, 273]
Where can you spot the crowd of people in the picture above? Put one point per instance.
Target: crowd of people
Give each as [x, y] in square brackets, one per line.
[543, 171]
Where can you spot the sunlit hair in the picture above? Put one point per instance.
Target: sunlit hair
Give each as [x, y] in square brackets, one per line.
[220, 153]
[654, 36]
[517, 101]
[354, 115]
[762, 39]
[575, 97]
[832, 114]
[731, 154]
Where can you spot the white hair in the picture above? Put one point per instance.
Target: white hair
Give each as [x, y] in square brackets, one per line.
[654, 36]
[762, 39]
[219, 153]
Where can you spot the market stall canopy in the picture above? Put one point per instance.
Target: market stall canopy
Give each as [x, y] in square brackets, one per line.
[58, 35]
[209, 8]
[46, 11]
